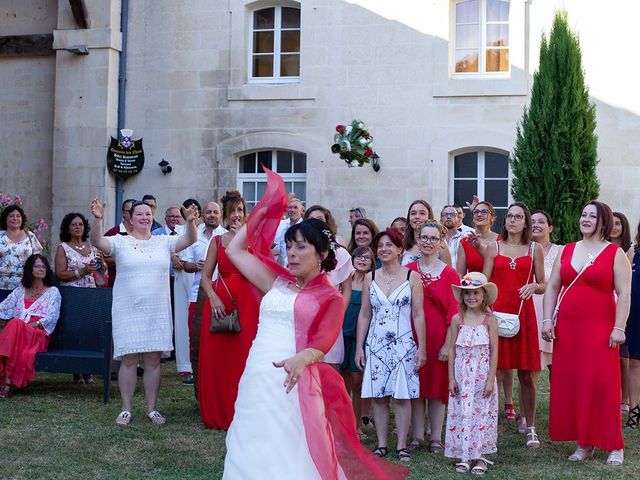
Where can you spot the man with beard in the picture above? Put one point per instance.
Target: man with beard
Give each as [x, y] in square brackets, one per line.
[449, 217]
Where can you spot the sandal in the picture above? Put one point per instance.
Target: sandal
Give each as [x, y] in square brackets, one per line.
[624, 408]
[481, 466]
[78, 379]
[403, 455]
[581, 454]
[462, 467]
[532, 437]
[509, 412]
[522, 424]
[155, 417]
[381, 451]
[88, 379]
[5, 391]
[124, 418]
[615, 458]
[415, 444]
[436, 447]
[634, 417]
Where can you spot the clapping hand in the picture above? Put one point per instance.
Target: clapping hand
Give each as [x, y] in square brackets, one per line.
[97, 209]
[190, 213]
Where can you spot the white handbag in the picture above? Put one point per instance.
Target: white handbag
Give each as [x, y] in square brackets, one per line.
[509, 323]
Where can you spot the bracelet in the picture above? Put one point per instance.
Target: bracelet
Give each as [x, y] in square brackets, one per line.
[547, 320]
[313, 355]
[76, 273]
[618, 328]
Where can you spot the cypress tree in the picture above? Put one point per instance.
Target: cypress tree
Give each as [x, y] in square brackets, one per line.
[554, 160]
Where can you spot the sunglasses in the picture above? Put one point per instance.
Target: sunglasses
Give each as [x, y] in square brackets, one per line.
[467, 282]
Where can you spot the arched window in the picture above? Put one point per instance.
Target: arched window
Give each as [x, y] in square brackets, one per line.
[481, 36]
[290, 165]
[485, 173]
[274, 43]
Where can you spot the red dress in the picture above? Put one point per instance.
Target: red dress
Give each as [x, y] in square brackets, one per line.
[520, 352]
[222, 357]
[475, 261]
[585, 380]
[439, 308]
[19, 344]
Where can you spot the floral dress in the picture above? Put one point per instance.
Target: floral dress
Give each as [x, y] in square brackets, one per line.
[77, 261]
[390, 349]
[472, 419]
[12, 258]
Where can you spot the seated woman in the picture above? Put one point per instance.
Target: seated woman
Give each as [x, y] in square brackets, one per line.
[33, 309]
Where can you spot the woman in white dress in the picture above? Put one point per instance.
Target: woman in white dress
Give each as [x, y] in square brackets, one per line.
[391, 303]
[293, 417]
[141, 310]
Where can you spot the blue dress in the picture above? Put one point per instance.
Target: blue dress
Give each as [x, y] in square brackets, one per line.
[633, 323]
[349, 331]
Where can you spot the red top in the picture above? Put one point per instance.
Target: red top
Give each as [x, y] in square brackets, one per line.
[475, 262]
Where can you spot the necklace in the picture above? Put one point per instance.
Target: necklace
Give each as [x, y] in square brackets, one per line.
[389, 281]
[36, 293]
[79, 247]
[298, 286]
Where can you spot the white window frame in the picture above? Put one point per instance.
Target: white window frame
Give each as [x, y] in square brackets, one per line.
[256, 178]
[480, 178]
[482, 47]
[276, 78]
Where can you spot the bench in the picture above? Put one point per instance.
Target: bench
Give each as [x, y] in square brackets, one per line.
[81, 341]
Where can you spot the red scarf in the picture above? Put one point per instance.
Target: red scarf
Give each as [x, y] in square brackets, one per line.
[327, 413]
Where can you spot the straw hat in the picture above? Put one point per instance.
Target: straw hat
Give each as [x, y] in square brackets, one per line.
[473, 280]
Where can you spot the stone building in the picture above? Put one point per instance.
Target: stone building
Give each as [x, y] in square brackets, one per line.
[216, 86]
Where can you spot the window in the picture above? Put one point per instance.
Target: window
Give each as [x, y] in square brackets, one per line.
[485, 173]
[481, 36]
[275, 44]
[290, 165]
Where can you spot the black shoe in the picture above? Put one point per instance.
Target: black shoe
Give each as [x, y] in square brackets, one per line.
[188, 380]
[140, 371]
[114, 376]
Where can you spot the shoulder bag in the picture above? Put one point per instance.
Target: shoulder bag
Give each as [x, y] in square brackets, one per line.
[509, 323]
[230, 323]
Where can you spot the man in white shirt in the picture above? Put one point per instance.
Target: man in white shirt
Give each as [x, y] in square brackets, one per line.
[449, 217]
[295, 212]
[463, 228]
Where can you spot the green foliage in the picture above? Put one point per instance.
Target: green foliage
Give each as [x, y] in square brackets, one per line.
[554, 160]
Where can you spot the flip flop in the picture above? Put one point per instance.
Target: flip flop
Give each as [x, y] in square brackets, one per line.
[155, 418]
[124, 418]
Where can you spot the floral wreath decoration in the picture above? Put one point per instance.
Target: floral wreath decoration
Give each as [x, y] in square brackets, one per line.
[354, 144]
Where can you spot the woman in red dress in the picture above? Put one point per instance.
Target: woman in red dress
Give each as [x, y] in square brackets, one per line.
[585, 380]
[223, 356]
[516, 265]
[470, 252]
[439, 308]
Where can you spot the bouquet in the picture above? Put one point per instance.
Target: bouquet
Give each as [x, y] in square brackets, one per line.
[354, 145]
[37, 228]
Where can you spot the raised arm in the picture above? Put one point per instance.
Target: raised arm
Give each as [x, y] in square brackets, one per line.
[248, 264]
[97, 239]
[190, 234]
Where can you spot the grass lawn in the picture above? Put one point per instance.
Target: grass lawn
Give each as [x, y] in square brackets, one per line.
[57, 430]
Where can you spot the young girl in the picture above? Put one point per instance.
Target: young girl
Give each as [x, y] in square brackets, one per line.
[472, 421]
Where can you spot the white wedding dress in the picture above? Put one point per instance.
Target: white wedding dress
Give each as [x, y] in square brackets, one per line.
[266, 438]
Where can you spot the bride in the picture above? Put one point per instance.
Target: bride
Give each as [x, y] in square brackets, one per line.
[293, 417]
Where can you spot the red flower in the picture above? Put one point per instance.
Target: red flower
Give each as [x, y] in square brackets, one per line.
[368, 152]
[340, 128]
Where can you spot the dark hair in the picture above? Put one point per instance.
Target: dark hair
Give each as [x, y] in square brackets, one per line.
[409, 235]
[394, 235]
[7, 211]
[128, 200]
[489, 205]
[636, 242]
[330, 221]
[361, 251]
[191, 201]
[148, 196]
[549, 221]
[317, 233]
[605, 218]
[65, 236]
[368, 223]
[625, 235]
[136, 203]
[229, 201]
[398, 219]
[27, 274]
[526, 234]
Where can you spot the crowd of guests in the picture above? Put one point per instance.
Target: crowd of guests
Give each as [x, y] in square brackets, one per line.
[420, 305]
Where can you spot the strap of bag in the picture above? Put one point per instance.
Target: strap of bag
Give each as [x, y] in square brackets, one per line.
[584, 268]
[531, 250]
[218, 242]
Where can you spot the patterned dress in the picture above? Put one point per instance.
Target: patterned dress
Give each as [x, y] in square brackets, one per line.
[472, 419]
[390, 349]
[13, 256]
[77, 261]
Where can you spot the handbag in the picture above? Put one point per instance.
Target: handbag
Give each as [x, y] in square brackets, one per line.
[509, 323]
[230, 323]
[554, 317]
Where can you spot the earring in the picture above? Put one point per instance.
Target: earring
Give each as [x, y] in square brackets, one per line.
[319, 266]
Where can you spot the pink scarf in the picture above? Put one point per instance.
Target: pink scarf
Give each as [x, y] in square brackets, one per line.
[327, 413]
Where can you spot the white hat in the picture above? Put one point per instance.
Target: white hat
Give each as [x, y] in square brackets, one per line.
[473, 280]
